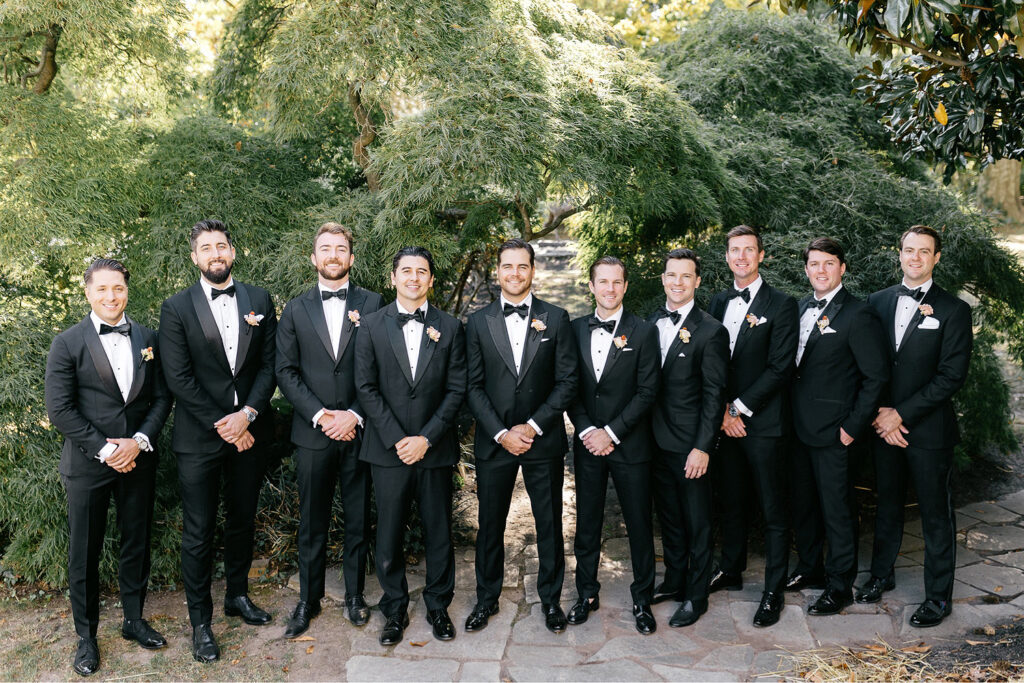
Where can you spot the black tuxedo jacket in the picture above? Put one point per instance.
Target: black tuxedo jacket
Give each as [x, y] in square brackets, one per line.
[841, 376]
[85, 404]
[197, 369]
[628, 388]
[309, 374]
[930, 366]
[543, 389]
[763, 360]
[396, 405]
[689, 408]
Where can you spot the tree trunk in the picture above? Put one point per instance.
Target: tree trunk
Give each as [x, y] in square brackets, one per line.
[367, 134]
[999, 188]
[48, 60]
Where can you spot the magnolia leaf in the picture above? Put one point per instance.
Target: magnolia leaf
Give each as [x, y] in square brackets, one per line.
[896, 13]
[940, 114]
[862, 8]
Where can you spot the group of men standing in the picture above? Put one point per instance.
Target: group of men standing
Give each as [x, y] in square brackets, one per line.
[761, 394]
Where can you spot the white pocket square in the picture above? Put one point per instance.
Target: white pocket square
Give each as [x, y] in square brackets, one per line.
[682, 355]
[546, 339]
[762, 320]
[626, 350]
[828, 330]
[929, 323]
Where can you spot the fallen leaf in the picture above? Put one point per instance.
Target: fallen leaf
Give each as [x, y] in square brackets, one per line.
[921, 649]
[989, 630]
[940, 114]
[284, 669]
[418, 643]
[976, 642]
[238, 146]
[234, 662]
[998, 589]
[304, 639]
[877, 648]
[309, 650]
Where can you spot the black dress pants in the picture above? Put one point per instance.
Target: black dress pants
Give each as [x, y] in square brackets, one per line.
[684, 511]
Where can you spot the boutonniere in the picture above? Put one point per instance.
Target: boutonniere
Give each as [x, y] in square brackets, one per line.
[538, 325]
[926, 309]
[753, 320]
[433, 334]
[684, 334]
[620, 341]
[354, 317]
[253, 319]
[822, 323]
[147, 353]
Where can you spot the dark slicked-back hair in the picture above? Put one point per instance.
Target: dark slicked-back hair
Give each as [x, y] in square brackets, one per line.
[827, 245]
[743, 230]
[682, 253]
[421, 252]
[333, 229]
[207, 225]
[923, 230]
[105, 264]
[609, 261]
[516, 243]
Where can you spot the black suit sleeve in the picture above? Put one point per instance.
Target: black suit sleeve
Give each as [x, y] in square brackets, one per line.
[479, 402]
[648, 376]
[60, 388]
[714, 369]
[870, 351]
[289, 373]
[371, 303]
[782, 347]
[454, 390]
[368, 388]
[160, 408]
[263, 386]
[549, 413]
[951, 373]
[178, 371]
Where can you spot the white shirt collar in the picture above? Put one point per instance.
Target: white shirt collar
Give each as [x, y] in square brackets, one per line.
[207, 287]
[831, 295]
[326, 289]
[401, 308]
[528, 301]
[616, 316]
[96, 322]
[754, 287]
[683, 310]
[924, 288]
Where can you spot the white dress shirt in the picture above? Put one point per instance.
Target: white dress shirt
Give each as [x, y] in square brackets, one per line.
[600, 349]
[734, 319]
[906, 306]
[810, 318]
[517, 328]
[668, 331]
[118, 349]
[413, 333]
[334, 314]
[225, 314]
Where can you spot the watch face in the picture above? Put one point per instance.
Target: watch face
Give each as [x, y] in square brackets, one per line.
[733, 412]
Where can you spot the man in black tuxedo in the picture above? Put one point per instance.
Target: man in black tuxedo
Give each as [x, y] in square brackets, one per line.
[217, 343]
[841, 371]
[316, 373]
[618, 383]
[930, 341]
[762, 323]
[522, 378]
[411, 381]
[106, 395]
[694, 369]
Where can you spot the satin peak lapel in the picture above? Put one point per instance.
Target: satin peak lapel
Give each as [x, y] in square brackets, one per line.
[397, 339]
[533, 338]
[499, 334]
[139, 376]
[205, 315]
[315, 311]
[245, 333]
[99, 359]
[427, 345]
[624, 328]
[354, 302]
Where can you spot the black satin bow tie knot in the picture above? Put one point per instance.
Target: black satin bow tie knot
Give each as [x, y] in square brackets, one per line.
[341, 294]
[229, 291]
[595, 323]
[123, 328]
[522, 309]
[817, 303]
[916, 294]
[741, 293]
[404, 318]
[671, 315]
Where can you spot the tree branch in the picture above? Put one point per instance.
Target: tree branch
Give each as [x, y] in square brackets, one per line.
[452, 214]
[456, 295]
[367, 134]
[47, 70]
[920, 50]
[559, 212]
[524, 213]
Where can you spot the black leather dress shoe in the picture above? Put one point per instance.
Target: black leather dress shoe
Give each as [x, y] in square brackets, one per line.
[204, 645]
[931, 613]
[645, 622]
[357, 610]
[142, 633]
[242, 606]
[872, 590]
[688, 613]
[394, 629]
[477, 619]
[554, 618]
[798, 581]
[832, 601]
[303, 613]
[770, 609]
[723, 581]
[579, 612]
[663, 593]
[87, 657]
[444, 629]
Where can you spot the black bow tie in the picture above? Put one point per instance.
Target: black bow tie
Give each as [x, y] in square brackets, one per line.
[607, 325]
[671, 315]
[741, 293]
[214, 293]
[124, 328]
[522, 309]
[418, 316]
[916, 294]
[340, 294]
[817, 303]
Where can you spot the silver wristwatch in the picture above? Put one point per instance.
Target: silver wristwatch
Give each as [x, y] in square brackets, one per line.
[250, 414]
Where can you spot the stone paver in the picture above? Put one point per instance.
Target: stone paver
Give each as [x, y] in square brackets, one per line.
[643, 647]
[483, 672]
[992, 538]
[841, 629]
[990, 513]
[622, 670]
[1004, 581]
[1014, 501]
[362, 668]
[731, 658]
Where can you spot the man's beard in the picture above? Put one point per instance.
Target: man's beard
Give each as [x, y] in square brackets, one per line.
[218, 277]
[326, 274]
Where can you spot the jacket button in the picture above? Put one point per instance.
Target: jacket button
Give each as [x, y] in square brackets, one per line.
[412, 394]
[337, 372]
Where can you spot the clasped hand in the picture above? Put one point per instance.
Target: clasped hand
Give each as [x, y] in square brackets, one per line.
[518, 439]
[889, 426]
[598, 442]
[339, 425]
[123, 457]
[412, 449]
[234, 428]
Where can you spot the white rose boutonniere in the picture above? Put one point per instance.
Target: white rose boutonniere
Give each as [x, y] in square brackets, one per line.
[538, 325]
[684, 334]
[147, 353]
[254, 319]
[620, 341]
[354, 317]
[822, 323]
[433, 334]
[926, 309]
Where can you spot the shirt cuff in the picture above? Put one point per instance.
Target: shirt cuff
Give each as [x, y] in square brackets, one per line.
[742, 408]
[535, 426]
[608, 429]
[146, 445]
[359, 418]
[106, 452]
[585, 432]
[316, 418]
[497, 437]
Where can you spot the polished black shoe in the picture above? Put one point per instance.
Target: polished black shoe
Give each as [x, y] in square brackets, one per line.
[832, 601]
[798, 581]
[872, 590]
[662, 593]
[645, 622]
[931, 613]
[723, 581]
[770, 609]
[688, 613]
[87, 657]
[477, 619]
[554, 618]
[142, 633]
[204, 645]
[242, 606]
[582, 609]
[299, 623]
[357, 610]
[394, 629]
[444, 629]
